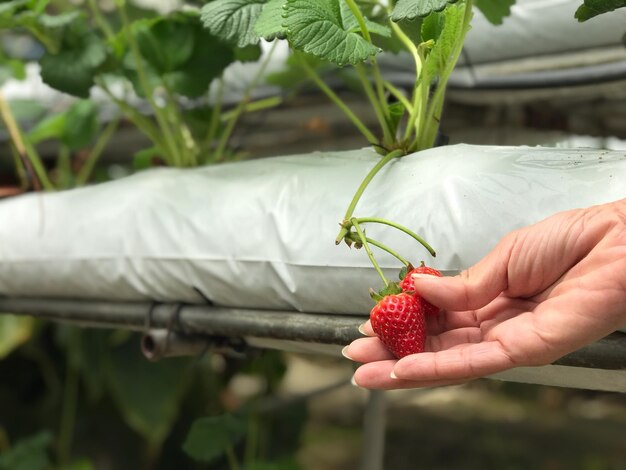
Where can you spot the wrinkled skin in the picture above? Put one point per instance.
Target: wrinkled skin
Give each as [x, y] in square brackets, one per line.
[543, 291]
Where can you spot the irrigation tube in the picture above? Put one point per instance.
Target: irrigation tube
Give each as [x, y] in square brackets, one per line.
[608, 353]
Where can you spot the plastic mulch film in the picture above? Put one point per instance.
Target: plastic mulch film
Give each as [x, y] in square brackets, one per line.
[260, 234]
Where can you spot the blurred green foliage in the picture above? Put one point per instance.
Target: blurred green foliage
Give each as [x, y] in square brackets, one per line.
[81, 398]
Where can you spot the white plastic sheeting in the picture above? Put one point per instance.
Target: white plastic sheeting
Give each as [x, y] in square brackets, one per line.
[539, 44]
[261, 233]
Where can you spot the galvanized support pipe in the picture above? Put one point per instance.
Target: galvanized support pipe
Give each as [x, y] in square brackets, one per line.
[608, 353]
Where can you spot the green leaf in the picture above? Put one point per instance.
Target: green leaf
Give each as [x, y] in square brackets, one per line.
[60, 21]
[233, 20]
[49, 128]
[28, 454]
[269, 24]
[81, 125]
[591, 8]
[432, 27]
[14, 331]
[411, 9]
[210, 437]
[447, 27]
[318, 28]
[396, 112]
[148, 394]
[12, 68]
[165, 44]
[495, 10]
[192, 79]
[75, 128]
[8, 8]
[72, 70]
[248, 53]
[144, 159]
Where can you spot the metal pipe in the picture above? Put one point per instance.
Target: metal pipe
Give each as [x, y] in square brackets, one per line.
[608, 353]
[193, 319]
[374, 428]
[161, 343]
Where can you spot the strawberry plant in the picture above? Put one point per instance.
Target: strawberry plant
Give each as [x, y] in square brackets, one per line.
[592, 8]
[352, 33]
[158, 70]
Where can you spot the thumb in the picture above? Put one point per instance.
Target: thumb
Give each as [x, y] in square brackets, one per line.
[473, 288]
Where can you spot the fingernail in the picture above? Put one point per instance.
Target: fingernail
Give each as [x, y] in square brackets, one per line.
[393, 375]
[362, 329]
[353, 382]
[422, 276]
[344, 353]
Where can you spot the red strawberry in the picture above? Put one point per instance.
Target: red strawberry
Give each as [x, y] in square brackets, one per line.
[399, 322]
[407, 286]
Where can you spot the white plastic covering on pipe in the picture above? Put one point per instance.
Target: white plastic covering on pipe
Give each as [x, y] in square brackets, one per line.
[540, 41]
[261, 233]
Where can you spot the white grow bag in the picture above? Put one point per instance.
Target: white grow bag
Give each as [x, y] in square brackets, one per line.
[260, 234]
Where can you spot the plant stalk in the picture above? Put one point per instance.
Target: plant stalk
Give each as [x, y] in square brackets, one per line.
[30, 158]
[377, 244]
[87, 168]
[371, 138]
[241, 106]
[359, 192]
[380, 109]
[399, 227]
[173, 155]
[368, 250]
[433, 114]
[70, 398]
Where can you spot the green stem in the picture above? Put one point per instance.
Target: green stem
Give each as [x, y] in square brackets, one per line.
[255, 106]
[94, 155]
[420, 98]
[252, 439]
[433, 114]
[226, 134]
[233, 464]
[400, 97]
[371, 138]
[31, 160]
[356, 11]
[173, 156]
[143, 123]
[359, 192]
[49, 44]
[185, 141]
[101, 21]
[402, 228]
[408, 44]
[376, 104]
[381, 246]
[19, 168]
[368, 250]
[70, 398]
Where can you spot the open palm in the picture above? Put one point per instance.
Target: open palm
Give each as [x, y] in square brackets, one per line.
[544, 291]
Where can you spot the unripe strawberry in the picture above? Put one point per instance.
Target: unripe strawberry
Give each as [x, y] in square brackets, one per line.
[407, 286]
[399, 322]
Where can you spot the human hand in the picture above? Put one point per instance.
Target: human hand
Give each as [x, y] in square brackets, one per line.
[542, 292]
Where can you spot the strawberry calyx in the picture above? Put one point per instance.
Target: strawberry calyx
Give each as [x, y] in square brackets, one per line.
[392, 288]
